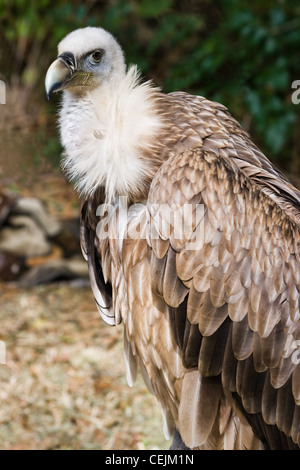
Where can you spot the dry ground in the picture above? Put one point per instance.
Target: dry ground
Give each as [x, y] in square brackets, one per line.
[63, 385]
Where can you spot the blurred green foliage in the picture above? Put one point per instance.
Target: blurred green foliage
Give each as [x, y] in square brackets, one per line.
[243, 54]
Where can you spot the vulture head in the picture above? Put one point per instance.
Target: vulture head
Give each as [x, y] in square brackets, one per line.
[114, 120]
[87, 57]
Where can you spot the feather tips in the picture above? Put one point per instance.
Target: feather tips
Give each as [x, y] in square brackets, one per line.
[239, 274]
[212, 299]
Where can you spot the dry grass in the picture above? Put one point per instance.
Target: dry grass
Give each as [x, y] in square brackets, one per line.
[63, 385]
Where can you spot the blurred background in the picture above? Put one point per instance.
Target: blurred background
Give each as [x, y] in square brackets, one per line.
[62, 384]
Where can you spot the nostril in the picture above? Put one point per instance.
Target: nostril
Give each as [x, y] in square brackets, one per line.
[69, 59]
[69, 63]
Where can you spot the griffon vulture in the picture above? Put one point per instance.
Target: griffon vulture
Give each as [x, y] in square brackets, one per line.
[192, 240]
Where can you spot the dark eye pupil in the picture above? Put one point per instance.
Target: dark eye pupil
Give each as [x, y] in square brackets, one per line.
[97, 56]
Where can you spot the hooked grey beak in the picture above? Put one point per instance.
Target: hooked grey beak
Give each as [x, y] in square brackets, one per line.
[59, 73]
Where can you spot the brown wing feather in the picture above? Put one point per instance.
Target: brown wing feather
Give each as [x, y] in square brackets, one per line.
[249, 278]
[99, 278]
[211, 307]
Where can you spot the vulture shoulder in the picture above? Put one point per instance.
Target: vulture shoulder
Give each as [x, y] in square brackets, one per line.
[206, 278]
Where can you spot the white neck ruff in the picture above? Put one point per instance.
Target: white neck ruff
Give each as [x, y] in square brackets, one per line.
[104, 132]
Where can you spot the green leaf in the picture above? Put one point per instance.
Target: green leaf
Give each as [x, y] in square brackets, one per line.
[151, 9]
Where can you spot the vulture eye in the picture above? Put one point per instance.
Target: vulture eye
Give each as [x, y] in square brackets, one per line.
[97, 56]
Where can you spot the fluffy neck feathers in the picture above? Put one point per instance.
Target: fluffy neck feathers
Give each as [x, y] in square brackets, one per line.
[108, 134]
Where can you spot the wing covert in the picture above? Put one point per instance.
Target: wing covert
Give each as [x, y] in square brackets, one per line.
[234, 307]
